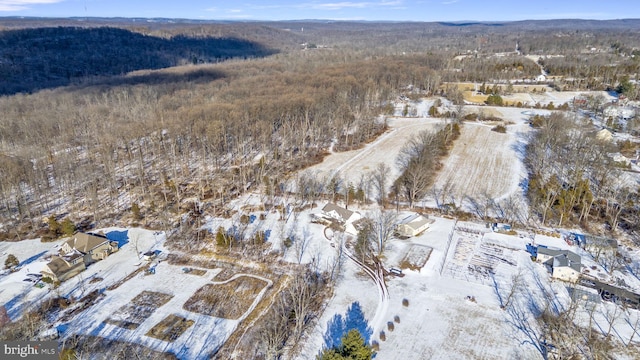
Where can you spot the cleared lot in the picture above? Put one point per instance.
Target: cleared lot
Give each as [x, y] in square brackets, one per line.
[352, 165]
[482, 163]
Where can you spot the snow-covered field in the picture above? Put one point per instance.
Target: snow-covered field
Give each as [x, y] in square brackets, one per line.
[485, 165]
[446, 310]
[353, 165]
[482, 163]
[15, 293]
[555, 97]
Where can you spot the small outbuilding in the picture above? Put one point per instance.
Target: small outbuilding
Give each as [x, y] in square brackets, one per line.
[413, 225]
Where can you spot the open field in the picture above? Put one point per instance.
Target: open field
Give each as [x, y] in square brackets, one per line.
[416, 257]
[131, 315]
[213, 299]
[353, 165]
[469, 86]
[482, 163]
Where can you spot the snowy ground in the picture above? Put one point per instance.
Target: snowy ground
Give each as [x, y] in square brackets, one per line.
[483, 164]
[453, 307]
[202, 338]
[15, 293]
[555, 97]
[354, 165]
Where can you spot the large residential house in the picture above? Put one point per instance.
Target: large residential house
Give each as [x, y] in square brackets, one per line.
[340, 214]
[76, 254]
[344, 217]
[563, 264]
[64, 267]
[94, 247]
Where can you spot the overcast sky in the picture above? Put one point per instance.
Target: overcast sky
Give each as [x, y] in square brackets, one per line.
[393, 10]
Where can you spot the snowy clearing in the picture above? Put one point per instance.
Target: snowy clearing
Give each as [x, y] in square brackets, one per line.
[354, 165]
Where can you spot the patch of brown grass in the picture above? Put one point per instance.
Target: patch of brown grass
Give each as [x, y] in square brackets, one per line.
[130, 316]
[471, 96]
[416, 257]
[228, 301]
[225, 274]
[170, 328]
[197, 272]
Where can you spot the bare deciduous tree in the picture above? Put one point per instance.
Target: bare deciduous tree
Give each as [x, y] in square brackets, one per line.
[380, 177]
[383, 224]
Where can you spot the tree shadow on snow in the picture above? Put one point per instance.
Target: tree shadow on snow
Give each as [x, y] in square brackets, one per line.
[339, 326]
[31, 259]
[122, 237]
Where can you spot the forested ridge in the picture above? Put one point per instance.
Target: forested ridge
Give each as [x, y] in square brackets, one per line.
[32, 59]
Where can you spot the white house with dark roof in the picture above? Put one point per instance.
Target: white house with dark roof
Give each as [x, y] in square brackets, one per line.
[340, 214]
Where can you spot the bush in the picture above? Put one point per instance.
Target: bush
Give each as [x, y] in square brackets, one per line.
[433, 111]
[259, 238]
[375, 345]
[11, 261]
[495, 100]
[221, 238]
[500, 129]
[287, 242]
[471, 117]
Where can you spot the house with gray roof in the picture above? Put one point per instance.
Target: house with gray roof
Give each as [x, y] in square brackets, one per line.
[562, 264]
[75, 254]
[340, 214]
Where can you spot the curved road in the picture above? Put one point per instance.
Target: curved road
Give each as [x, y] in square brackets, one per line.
[377, 275]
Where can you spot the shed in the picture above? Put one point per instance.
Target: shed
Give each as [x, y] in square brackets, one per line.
[413, 225]
[149, 255]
